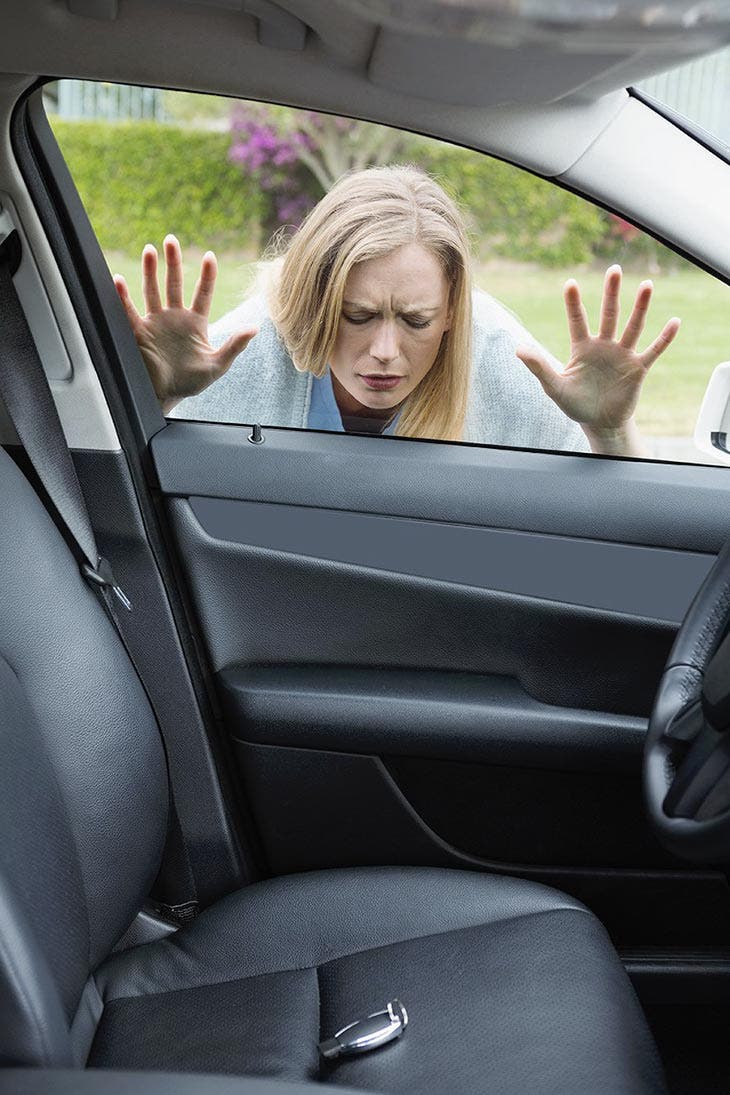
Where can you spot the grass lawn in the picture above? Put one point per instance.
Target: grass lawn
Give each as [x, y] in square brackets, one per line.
[674, 388]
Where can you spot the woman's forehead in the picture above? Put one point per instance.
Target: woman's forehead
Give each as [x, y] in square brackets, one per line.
[409, 276]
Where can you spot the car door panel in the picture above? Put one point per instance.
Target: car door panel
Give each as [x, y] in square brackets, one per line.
[267, 607]
[447, 654]
[655, 583]
[479, 718]
[624, 501]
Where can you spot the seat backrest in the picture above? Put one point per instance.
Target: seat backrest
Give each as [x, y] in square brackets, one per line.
[83, 784]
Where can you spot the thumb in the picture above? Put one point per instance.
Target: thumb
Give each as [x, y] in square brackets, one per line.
[233, 346]
[540, 367]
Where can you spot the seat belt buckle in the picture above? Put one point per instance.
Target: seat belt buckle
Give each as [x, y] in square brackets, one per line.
[103, 576]
[366, 1034]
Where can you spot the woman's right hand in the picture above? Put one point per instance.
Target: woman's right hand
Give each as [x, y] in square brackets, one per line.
[173, 339]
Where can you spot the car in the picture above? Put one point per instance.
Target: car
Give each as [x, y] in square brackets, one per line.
[329, 758]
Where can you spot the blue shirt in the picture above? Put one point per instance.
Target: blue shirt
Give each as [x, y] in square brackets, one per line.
[324, 414]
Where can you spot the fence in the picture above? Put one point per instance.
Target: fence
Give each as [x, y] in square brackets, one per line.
[78, 100]
[700, 90]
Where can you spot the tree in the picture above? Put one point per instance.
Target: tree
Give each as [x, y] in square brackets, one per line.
[297, 155]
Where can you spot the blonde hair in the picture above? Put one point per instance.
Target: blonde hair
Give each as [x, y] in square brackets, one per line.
[365, 215]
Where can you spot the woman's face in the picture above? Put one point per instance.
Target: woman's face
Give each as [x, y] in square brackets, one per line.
[394, 314]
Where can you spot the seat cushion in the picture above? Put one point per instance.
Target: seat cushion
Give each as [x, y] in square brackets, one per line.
[509, 986]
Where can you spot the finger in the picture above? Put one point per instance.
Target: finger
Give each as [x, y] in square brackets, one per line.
[150, 285]
[660, 343]
[205, 285]
[173, 273]
[232, 347]
[610, 303]
[637, 320]
[123, 290]
[541, 368]
[577, 315]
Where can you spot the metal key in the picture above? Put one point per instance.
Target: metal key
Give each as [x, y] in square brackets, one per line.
[366, 1034]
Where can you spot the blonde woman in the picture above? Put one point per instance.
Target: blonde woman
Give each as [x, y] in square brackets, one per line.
[371, 325]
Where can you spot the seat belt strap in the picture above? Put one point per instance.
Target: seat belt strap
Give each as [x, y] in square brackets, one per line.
[25, 392]
[29, 402]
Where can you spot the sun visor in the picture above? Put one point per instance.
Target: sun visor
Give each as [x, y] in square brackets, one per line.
[452, 70]
[626, 25]
[494, 52]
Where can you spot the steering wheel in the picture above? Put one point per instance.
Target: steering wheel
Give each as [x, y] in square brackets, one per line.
[687, 752]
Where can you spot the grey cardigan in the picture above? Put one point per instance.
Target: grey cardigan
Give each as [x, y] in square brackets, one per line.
[506, 404]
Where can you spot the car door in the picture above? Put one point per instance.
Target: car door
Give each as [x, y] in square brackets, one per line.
[412, 652]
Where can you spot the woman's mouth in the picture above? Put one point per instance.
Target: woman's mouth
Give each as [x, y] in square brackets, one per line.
[380, 383]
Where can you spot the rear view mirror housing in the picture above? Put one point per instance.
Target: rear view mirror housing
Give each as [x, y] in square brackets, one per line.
[712, 431]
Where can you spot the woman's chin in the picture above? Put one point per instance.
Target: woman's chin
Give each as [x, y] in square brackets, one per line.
[380, 400]
[380, 404]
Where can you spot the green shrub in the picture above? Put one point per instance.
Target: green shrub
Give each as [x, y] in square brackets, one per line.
[141, 180]
[511, 213]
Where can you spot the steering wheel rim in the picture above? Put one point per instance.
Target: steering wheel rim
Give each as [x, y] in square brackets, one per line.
[686, 770]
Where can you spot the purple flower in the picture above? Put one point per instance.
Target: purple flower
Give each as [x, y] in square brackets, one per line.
[278, 146]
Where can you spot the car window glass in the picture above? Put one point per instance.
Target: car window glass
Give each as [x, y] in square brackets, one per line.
[427, 299]
[698, 90]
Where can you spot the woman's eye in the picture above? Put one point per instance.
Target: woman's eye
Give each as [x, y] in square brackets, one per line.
[359, 318]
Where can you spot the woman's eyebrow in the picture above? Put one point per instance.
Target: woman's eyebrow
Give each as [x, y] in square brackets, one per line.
[410, 309]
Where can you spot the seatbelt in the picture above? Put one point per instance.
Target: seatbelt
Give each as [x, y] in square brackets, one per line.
[27, 397]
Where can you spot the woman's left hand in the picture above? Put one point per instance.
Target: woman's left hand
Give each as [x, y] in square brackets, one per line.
[600, 386]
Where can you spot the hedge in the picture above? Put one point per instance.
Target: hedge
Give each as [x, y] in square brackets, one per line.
[514, 214]
[141, 180]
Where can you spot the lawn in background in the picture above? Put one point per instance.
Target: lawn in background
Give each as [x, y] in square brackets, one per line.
[674, 388]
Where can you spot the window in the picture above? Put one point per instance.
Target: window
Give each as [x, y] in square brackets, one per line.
[371, 333]
[700, 91]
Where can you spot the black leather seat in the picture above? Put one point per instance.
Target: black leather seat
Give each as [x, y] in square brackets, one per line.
[510, 987]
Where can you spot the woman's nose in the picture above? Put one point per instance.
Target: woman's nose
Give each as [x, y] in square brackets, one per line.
[385, 343]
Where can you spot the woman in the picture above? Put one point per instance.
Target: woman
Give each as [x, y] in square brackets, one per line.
[371, 325]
